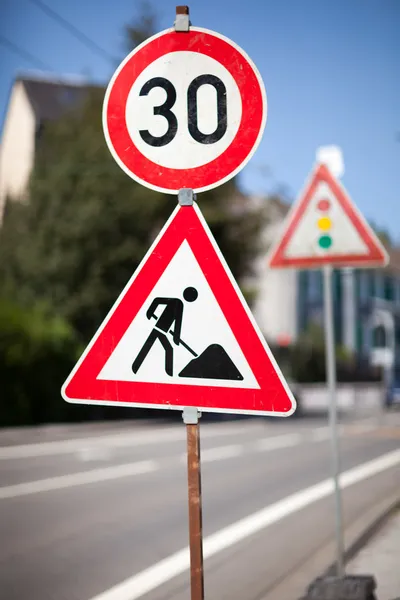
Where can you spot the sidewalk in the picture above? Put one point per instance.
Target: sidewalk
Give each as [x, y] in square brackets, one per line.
[381, 558]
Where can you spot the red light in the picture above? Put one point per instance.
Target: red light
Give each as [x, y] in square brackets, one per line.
[324, 205]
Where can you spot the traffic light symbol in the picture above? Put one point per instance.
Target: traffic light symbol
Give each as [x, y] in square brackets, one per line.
[324, 224]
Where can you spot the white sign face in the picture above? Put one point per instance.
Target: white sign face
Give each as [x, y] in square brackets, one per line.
[181, 334]
[344, 237]
[203, 329]
[324, 227]
[184, 110]
[179, 72]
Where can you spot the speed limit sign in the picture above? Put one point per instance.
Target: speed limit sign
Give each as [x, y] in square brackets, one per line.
[184, 110]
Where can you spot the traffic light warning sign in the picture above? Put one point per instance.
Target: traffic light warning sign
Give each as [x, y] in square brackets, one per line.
[324, 227]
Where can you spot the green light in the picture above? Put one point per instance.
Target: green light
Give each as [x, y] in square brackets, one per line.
[325, 242]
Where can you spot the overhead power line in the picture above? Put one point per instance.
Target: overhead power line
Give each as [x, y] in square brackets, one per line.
[24, 54]
[82, 37]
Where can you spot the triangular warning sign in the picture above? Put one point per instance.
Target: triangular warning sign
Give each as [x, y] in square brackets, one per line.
[181, 334]
[324, 227]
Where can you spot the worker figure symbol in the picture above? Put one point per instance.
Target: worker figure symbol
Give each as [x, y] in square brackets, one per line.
[213, 363]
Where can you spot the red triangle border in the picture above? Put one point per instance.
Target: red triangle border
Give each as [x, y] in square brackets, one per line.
[376, 256]
[273, 397]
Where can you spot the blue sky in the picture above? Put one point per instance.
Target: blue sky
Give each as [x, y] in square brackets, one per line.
[331, 72]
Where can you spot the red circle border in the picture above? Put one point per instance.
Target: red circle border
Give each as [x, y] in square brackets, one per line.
[217, 170]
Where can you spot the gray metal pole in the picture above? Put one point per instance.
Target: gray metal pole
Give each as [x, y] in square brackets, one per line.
[331, 380]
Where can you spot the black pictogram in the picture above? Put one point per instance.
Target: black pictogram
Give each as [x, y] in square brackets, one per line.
[213, 363]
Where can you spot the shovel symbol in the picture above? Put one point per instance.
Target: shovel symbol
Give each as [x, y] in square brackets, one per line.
[181, 342]
[213, 363]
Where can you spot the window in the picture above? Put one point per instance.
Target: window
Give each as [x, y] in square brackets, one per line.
[371, 284]
[364, 288]
[396, 290]
[379, 291]
[389, 284]
[379, 337]
[397, 335]
[314, 289]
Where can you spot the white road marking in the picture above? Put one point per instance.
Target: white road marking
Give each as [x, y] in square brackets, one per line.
[218, 453]
[118, 471]
[94, 453]
[362, 428]
[370, 420]
[281, 441]
[65, 481]
[87, 453]
[221, 453]
[151, 578]
[132, 439]
[319, 435]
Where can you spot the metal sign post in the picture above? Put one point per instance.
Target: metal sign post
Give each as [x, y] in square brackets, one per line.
[324, 229]
[191, 420]
[170, 148]
[331, 380]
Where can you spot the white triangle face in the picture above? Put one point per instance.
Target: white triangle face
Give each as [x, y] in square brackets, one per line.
[204, 329]
[345, 237]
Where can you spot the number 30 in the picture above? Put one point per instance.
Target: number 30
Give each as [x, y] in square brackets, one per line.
[165, 110]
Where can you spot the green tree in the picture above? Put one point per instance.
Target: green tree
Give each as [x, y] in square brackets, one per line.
[87, 225]
[36, 350]
[307, 357]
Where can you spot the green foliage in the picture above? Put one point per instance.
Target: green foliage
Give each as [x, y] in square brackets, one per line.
[304, 362]
[36, 350]
[73, 246]
[308, 359]
[88, 225]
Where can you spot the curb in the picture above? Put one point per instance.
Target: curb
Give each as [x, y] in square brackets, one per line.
[383, 511]
[320, 563]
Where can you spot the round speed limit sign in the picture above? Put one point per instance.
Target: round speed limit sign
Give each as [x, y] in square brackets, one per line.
[184, 110]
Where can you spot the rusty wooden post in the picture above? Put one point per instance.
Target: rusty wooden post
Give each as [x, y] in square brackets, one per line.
[191, 420]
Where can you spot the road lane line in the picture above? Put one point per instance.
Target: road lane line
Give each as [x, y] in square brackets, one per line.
[155, 436]
[94, 454]
[319, 435]
[138, 585]
[116, 472]
[217, 453]
[221, 453]
[369, 420]
[281, 441]
[66, 481]
[361, 428]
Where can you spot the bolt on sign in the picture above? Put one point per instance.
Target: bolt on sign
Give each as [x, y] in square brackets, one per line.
[184, 111]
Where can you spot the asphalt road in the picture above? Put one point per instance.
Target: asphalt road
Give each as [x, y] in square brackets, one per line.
[92, 515]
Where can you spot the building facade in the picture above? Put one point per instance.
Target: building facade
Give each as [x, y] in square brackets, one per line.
[275, 306]
[33, 101]
[366, 308]
[366, 303]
